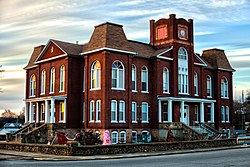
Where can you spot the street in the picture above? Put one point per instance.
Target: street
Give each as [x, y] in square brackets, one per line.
[231, 157]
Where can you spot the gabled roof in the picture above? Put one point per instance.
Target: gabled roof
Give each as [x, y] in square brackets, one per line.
[217, 59]
[68, 48]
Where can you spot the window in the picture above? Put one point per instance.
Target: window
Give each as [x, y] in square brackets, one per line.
[227, 114]
[114, 137]
[91, 111]
[98, 110]
[84, 79]
[43, 82]
[144, 79]
[144, 109]
[209, 118]
[133, 78]
[209, 86]
[222, 114]
[122, 111]
[165, 112]
[42, 109]
[96, 75]
[52, 80]
[134, 110]
[134, 136]
[196, 113]
[113, 111]
[61, 112]
[182, 71]
[118, 80]
[62, 78]
[161, 32]
[33, 85]
[123, 137]
[165, 80]
[83, 110]
[224, 87]
[195, 83]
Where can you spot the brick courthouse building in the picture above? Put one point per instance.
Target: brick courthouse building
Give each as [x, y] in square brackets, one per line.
[129, 87]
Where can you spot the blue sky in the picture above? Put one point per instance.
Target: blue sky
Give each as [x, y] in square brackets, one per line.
[223, 24]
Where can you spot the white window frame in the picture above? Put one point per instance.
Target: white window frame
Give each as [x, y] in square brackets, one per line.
[122, 111]
[144, 71]
[113, 110]
[209, 86]
[227, 116]
[183, 87]
[119, 80]
[222, 114]
[196, 109]
[134, 112]
[43, 82]
[124, 137]
[42, 112]
[224, 87]
[134, 78]
[83, 111]
[52, 80]
[165, 80]
[98, 111]
[163, 112]
[144, 112]
[114, 141]
[91, 111]
[61, 112]
[209, 107]
[62, 78]
[135, 136]
[32, 85]
[196, 84]
[95, 81]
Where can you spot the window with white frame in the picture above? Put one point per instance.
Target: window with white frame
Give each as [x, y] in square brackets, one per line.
[43, 82]
[144, 79]
[134, 136]
[114, 137]
[209, 86]
[98, 110]
[222, 114]
[83, 111]
[195, 83]
[224, 87]
[134, 112]
[96, 75]
[62, 78]
[182, 71]
[209, 115]
[52, 80]
[144, 110]
[33, 85]
[196, 113]
[61, 111]
[165, 112]
[122, 111]
[133, 77]
[113, 111]
[84, 79]
[165, 80]
[42, 109]
[122, 136]
[227, 114]
[91, 111]
[118, 74]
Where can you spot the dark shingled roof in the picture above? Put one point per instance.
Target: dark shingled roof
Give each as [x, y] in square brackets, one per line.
[69, 48]
[142, 49]
[217, 59]
[36, 52]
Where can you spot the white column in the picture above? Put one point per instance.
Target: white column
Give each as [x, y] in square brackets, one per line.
[65, 110]
[52, 118]
[212, 112]
[26, 112]
[37, 112]
[170, 110]
[46, 111]
[30, 112]
[159, 111]
[202, 112]
[182, 111]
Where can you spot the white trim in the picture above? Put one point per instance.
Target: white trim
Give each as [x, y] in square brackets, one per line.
[199, 64]
[204, 63]
[109, 49]
[27, 68]
[45, 98]
[223, 69]
[186, 99]
[165, 58]
[159, 55]
[118, 89]
[52, 58]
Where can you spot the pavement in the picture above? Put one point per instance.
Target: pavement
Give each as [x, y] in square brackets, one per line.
[15, 155]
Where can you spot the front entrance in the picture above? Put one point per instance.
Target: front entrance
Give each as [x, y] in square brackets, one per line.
[186, 115]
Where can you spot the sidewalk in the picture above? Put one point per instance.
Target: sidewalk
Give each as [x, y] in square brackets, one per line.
[6, 154]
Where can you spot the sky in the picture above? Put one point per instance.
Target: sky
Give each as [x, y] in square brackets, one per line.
[24, 24]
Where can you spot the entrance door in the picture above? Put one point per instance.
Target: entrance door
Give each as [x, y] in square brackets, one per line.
[186, 115]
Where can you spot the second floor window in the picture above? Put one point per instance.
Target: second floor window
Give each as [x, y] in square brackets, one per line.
[91, 111]
[182, 71]
[33, 85]
[195, 83]
[134, 109]
[62, 78]
[118, 75]
[165, 80]
[122, 111]
[144, 79]
[52, 80]
[224, 87]
[209, 86]
[96, 75]
[43, 81]
[133, 78]
[98, 110]
[113, 111]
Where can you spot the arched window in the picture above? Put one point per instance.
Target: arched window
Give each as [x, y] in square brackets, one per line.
[96, 75]
[43, 81]
[165, 80]
[209, 86]
[182, 71]
[33, 85]
[52, 80]
[195, 83]
[62, 78]
[144, 79]
[133, 77]
[118, 75]
[224, 87]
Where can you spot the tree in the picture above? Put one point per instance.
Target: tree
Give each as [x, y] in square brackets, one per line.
[9, 114]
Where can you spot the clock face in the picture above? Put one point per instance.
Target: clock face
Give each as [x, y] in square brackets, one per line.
[182, 33]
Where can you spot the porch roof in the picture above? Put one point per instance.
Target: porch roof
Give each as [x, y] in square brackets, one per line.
[163, 98]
